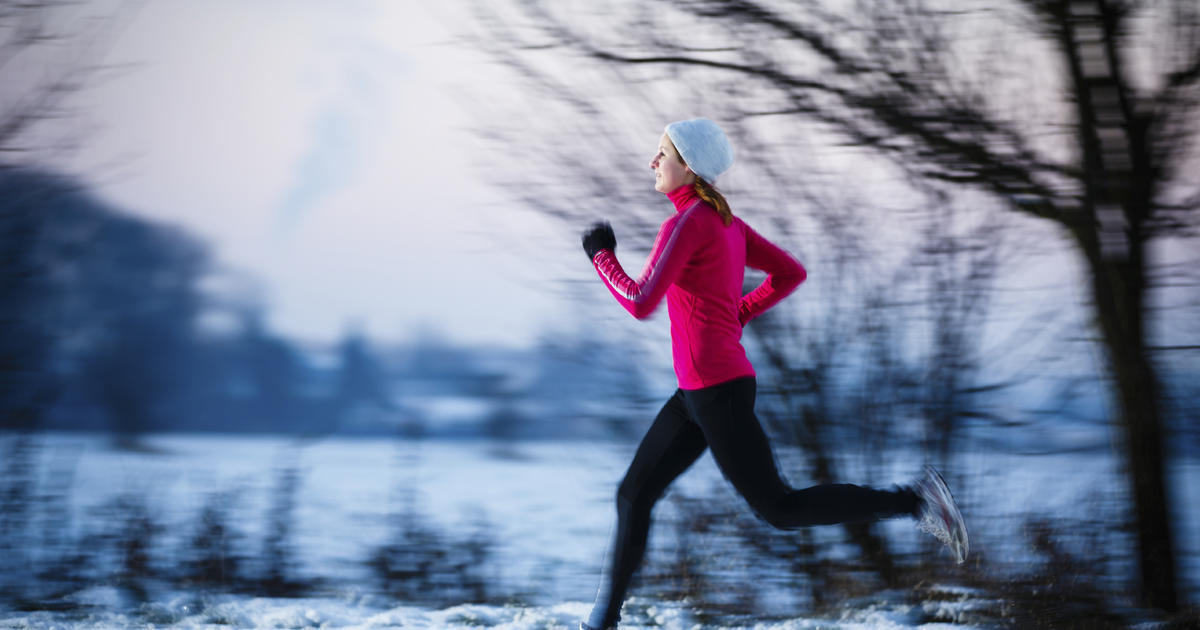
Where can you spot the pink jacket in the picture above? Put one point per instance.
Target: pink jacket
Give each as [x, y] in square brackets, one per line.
[699, 264]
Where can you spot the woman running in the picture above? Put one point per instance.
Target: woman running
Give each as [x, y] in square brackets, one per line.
[697, 263]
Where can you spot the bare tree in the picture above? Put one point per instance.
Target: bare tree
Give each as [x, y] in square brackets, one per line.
[1077, 113]
[48, 52]
[578, 139]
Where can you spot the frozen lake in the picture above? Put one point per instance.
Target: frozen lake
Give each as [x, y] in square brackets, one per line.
[546, 509]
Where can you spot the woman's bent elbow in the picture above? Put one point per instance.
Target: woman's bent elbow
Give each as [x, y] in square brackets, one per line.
[794, 279]
[640, 310]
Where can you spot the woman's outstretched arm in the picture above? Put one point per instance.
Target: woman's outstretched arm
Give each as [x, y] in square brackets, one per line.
[672, 248]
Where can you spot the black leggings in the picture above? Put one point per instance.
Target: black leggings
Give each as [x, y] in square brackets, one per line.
[722, 418]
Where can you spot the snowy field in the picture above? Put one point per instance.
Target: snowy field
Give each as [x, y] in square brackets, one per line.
[546, 507]
[329, 613]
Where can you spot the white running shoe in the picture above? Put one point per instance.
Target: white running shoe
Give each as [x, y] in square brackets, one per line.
[939, 514]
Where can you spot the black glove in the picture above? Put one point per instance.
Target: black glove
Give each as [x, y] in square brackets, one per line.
[599, 237]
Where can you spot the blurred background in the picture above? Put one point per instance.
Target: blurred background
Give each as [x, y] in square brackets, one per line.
[292, 302]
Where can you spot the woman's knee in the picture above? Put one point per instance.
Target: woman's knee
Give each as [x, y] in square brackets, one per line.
[632, 499]
[776, 510]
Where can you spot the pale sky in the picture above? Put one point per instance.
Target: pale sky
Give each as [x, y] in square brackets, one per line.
[322, 148]
[325, 149]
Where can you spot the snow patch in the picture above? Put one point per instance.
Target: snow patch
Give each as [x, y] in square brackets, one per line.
[267, 613]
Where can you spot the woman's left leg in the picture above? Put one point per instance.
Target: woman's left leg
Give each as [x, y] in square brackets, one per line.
[670, 446]
[725, 413]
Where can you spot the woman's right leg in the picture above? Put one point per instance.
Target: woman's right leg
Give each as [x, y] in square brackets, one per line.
[669, 447]
[739, 445]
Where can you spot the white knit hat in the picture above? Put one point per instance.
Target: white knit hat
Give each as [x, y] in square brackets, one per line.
[703, 147]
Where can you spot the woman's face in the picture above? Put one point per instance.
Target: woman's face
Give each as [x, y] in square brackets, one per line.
[669, 170]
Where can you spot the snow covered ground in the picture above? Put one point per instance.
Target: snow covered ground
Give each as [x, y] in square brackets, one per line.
[547, 507]
[883, 614]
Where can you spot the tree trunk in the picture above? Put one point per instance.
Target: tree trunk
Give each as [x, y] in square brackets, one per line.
[1118, 292]
[1111, 232]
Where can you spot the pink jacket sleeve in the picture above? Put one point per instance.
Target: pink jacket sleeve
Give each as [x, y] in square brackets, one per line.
[671, 251]
[784, 274]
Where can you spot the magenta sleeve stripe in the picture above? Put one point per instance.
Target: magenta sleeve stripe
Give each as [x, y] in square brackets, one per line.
[612, 274]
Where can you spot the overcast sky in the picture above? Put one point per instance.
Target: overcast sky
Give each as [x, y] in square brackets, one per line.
[327, 150]
[324, 149]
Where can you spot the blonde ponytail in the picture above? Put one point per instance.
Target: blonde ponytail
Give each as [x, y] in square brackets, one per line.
[714, 198]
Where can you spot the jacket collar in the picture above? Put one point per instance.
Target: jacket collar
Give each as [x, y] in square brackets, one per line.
[683, 197]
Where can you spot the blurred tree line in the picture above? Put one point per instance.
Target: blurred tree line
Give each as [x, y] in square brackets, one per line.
[107, 327]
[102, 328]
[115, 323]
[919, 150]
